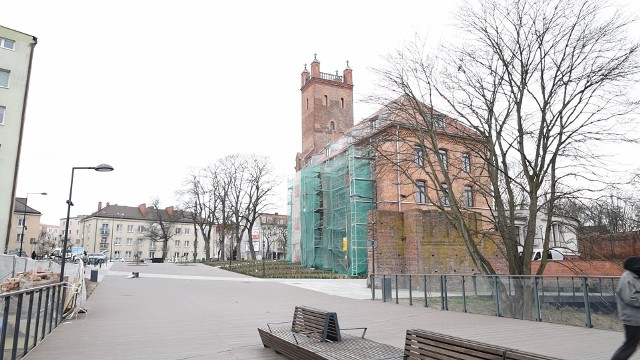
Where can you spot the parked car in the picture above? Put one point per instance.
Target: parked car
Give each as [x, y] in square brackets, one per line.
[118, 259]
[95, 258]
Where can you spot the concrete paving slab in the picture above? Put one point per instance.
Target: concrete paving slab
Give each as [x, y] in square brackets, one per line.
[195, 311]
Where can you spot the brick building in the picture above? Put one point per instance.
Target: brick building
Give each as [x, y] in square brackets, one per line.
[374, 181]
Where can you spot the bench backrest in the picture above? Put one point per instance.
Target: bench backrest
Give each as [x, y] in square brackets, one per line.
[419, 343]
[316, 323]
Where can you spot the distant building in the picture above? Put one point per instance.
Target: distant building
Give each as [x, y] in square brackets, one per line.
[25, 228]
[123, 232]
[16, 53]
[563, 235]
[271, 233]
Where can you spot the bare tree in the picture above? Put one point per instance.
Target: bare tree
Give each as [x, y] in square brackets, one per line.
[259, 188]
[161, 226]
[538, 83]
[201, 197]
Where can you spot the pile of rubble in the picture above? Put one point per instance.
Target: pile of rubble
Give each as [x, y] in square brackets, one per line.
[28, 280]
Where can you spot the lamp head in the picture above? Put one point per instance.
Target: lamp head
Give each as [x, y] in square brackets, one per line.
[103, 168]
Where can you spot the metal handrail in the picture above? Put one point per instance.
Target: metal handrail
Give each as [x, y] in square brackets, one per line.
[19, 331]
[524, 297]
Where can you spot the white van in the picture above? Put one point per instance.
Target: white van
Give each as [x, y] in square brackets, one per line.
[553, 254]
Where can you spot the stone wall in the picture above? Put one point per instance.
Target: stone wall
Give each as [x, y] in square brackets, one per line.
[423, 242]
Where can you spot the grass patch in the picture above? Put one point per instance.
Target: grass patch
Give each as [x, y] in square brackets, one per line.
[278, 269]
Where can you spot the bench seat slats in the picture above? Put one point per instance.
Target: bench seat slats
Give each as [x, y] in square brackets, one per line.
[423, 344]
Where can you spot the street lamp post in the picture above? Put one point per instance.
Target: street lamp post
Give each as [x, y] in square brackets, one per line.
[100, 168]
[24, 218]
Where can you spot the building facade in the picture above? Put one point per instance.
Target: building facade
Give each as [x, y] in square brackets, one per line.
[16, 53]
[270, 237]
[383, 163]
[25, 228]
[126, 232]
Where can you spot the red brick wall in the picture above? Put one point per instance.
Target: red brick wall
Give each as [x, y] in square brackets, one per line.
[423, 242]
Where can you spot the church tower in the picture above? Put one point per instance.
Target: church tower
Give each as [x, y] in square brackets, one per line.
[327, 108]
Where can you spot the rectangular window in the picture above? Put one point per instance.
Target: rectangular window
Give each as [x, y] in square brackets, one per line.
[466, 163]
[443, 156]
[187, 231]
[444, 195]
[140, 228]
[2, 111]
[178, 231]
[468, 196]
[177, 243]
[152, 254]
[7, 44]
[438, 121]
[185, 255]
[186, 243]
[20, 223]
[116, 254]
[129, 228]
[4, 78]
[119, 227]
[104, 230]
[129, 241]
[418, 153]
[19, 238]
[117, 241]
[127, 254]
[421, 195]
[139, 242]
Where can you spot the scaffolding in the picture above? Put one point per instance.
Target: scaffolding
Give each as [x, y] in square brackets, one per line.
[336, 196]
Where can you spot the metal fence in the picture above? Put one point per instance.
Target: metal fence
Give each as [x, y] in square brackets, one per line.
[570, 300]
[32, 313]
[28, 316]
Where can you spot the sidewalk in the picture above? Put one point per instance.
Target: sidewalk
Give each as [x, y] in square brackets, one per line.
[199, 312]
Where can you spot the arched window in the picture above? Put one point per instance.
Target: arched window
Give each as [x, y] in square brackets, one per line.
[342, 103]
[326, 100]
[307, 103]
[332, 126]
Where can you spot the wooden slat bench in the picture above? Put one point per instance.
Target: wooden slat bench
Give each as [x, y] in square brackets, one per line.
[423, 344]
[315, 334]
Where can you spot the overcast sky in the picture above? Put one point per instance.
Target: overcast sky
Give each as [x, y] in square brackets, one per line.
[155, 88]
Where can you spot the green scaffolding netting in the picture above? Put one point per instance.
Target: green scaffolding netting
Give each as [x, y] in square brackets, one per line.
[336, 197]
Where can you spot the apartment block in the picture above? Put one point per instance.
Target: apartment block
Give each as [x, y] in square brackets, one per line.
[16, 54]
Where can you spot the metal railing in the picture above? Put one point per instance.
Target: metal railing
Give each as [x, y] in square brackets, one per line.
[571, 300]
[28, 316]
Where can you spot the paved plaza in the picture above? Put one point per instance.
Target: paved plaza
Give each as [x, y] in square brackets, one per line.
[196, 311]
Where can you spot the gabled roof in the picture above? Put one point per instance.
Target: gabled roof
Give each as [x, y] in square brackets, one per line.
[20, 206]
[141, 212]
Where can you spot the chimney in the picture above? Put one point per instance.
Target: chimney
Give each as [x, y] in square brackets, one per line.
[143, 209]
[170, 211]
[107, 204]
[99, 205]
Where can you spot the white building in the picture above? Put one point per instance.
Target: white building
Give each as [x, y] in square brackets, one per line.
[16, 53]
[563, 231]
